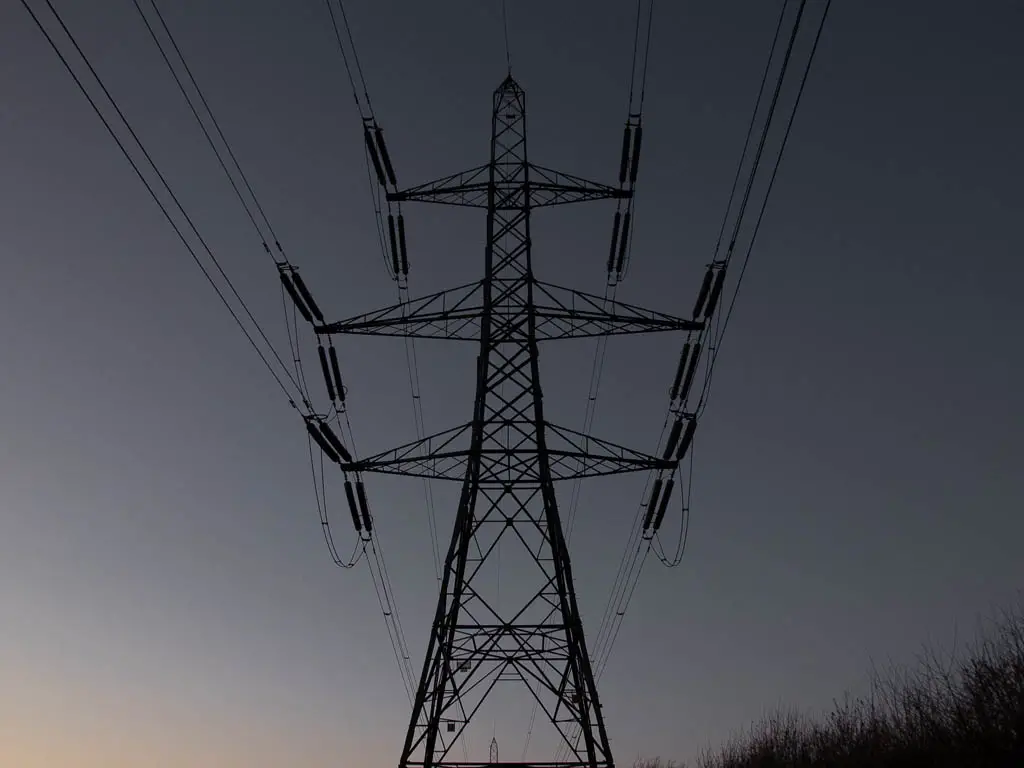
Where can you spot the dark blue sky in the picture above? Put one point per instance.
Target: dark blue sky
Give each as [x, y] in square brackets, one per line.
[166, 595]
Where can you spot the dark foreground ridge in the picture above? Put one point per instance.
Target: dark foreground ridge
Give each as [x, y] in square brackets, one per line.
[966, 711]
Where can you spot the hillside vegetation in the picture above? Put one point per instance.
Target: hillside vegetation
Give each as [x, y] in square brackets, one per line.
[966, 711]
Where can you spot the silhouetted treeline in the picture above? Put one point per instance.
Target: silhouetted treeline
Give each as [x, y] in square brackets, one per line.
[966, 711]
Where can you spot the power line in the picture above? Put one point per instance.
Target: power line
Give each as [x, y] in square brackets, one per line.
[393, 635]
[344, 56]
[398, 274]
[764, 204]
[647, 49]
[263, 235]
[216, 125]
[633, 123]
[355, 55]
[504, 377]
[635, 553]
[750, 127]
[188, 246]
[618, 265]
[385, 593]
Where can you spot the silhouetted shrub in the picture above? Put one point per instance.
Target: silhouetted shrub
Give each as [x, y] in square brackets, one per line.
[966, 712]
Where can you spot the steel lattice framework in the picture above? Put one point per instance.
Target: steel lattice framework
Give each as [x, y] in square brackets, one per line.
[508, 458]
[509, 455]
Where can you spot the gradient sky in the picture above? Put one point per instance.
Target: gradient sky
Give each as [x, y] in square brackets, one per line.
[166, 598]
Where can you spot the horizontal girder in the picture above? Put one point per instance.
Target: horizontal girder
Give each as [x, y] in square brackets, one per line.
[560, 313]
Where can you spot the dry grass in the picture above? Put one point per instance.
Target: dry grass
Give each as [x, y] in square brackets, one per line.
[966, 711]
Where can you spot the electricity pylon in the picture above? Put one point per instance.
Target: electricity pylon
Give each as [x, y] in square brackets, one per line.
[509, 455]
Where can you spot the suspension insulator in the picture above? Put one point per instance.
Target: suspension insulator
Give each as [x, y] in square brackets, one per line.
[364, 507]
[684, 446]
[401, 244]
[673, 438]
[352, 506]
[624, 242]
[636, 154]
[394, 243]
[385, 156]
[336, 370]
[680, 370]
[374, 158]
[652, 503]
[286, 281]
[332, 438]
[327, 372]
[690, 372]
[321, 441]
[702, 295]
[715, 293]
[664, 502]
[300, 284]
[615, 240]
[624, 163]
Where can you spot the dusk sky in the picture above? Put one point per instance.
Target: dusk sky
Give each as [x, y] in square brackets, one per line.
[166, 597]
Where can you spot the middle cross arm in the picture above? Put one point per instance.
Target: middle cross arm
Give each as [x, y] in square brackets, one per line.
[445, 455]
[560, 313]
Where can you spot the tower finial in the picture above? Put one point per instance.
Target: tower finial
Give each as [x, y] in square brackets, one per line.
[504, 26]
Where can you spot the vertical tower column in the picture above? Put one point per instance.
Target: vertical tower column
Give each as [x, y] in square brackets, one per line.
[507, 500]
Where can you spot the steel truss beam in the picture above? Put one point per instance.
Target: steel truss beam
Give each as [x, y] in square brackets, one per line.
[562, 313]
[444, 456]
[471, 188]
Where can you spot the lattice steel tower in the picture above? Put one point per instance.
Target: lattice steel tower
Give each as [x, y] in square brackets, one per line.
[509, 455]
